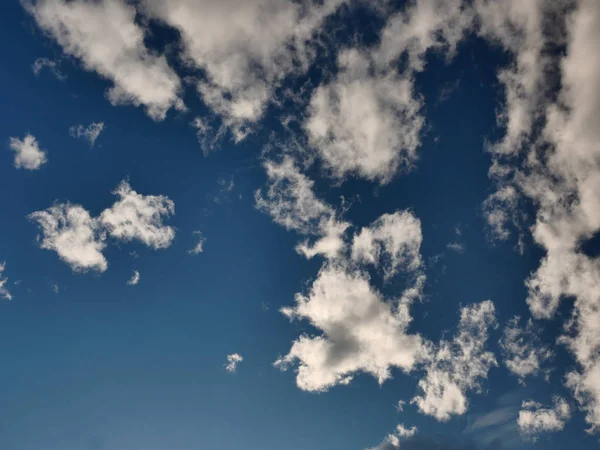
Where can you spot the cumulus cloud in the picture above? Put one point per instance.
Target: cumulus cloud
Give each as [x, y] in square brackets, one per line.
[199, 247]
[361, 332]
[89, 133]
[559, 172]
[245, 49]
[45, 63]
[366, 121]
[458, 366]
[392, 440]
[79, 239]
[106, 38]
[135, 279]
[140, 217]
[535, 419]
[28, 154]
[4, 293]
[522, 349]
[74, 235]
[232, 362]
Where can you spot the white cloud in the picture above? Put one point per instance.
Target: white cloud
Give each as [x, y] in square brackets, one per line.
[291, 202]
[456, 246]
[89, 133]
[366, 121]
[361, 332]
[392, 440]
[522, 348]
[199, 247]
[52, 66]
[458, 366]
[245, 49]
[106, 38]
[560, 174]
[28, 154]
[393, 242]
[4, 293]
[535, 419]
[137, 216]
[232, 362]
[79, 238]
[71, 232]
[135, 279]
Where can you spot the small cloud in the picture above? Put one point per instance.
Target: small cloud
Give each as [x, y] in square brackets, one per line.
[535, 419]
[4, 293]
[89, 133]
[232, 362]
[457, 247]
[28, 154]
[135, 278]
[53, 66]
[55, 288]
[199, 247]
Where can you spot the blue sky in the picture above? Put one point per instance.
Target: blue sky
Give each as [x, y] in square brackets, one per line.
[275, 224]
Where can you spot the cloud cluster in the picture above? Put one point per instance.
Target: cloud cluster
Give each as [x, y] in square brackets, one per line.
[79, 239]
[28, 154]
[89, 133]
[523, 351]
[4, 292]
[535, 419]
[458, 366]
[392, 440]
[232, 362]
[105, 36]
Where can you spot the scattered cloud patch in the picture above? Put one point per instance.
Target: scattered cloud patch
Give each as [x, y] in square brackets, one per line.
[4, 292]
[107, 39]
[28, 154]
[232, 362]
[392, 440]
[89, 133]
[53, 66]
[458, 366]
[135, 279]
[199, 247]
[535, 419]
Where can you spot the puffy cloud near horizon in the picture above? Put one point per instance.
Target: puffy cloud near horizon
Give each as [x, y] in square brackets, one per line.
[28, 154]
[79, 239]
[89, 133]
[105, 37]
[4, 292]
[458, 366]
[535, 419]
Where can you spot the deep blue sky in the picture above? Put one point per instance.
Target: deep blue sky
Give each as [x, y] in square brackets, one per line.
[103, 365]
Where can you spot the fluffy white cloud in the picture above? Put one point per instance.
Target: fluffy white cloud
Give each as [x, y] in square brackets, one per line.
[393, 242]
[104, 35]
[232, 362]
[199, 247]
[137, 216]
[392, 440]
[361, 332]
[89, 133]
[28, 154]
[292, 203]
[522, 348]
[79, 238]
[458, 366]
[52, 66]
[4, 293]
[71, 232]
[244, 48]
[535, 419]
[135, 279]
[367, 120]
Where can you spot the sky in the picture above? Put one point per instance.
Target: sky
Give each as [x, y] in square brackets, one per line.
[335, 224]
